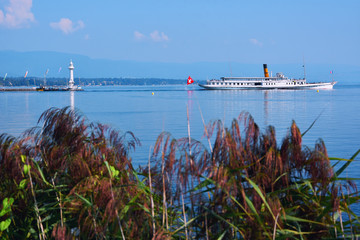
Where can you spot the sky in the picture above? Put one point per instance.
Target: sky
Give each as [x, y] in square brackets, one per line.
[184, 31]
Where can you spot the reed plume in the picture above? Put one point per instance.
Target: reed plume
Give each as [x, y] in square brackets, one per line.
[80, 177]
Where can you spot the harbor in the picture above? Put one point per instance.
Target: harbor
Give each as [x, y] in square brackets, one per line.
[70, 87]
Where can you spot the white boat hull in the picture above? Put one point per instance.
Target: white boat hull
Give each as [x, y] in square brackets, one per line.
[328, 85]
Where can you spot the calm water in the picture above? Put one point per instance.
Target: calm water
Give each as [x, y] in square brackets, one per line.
[134, 108]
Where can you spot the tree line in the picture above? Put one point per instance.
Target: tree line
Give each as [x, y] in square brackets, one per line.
[37, 81]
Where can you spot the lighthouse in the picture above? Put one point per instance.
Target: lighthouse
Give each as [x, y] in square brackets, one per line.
[71, 81]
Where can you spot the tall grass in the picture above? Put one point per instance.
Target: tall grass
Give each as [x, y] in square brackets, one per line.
[72, 179]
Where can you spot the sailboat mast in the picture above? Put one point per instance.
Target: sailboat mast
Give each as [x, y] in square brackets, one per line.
[47, 70]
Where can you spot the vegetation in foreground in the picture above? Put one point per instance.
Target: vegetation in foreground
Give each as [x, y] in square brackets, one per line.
[70, 179]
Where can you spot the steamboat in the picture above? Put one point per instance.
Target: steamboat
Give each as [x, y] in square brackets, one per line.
[266, 82]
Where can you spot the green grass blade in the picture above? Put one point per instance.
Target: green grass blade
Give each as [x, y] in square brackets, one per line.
[312, 124]
[257, 189]
[253, 209]
[87, 202]
[224, 220]
[338, 172]
[222, 235]
[41, 173]
[297, 219]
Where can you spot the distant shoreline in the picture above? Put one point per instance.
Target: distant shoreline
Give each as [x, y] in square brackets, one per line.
[36, 81]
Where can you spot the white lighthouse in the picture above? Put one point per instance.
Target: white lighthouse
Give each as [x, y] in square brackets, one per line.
[71, 81]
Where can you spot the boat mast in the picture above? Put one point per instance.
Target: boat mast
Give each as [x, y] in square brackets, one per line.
[230, 69]
[47, 70]
[304, 68]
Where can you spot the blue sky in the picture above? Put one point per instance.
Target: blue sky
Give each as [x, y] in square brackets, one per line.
[187, 31]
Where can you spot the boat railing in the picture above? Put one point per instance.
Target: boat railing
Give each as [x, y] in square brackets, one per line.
[251, 79]
[257, 79]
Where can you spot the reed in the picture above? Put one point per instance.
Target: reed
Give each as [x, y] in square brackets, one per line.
[69, 178]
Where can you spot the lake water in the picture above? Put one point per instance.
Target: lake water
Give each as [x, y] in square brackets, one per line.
[136, 109]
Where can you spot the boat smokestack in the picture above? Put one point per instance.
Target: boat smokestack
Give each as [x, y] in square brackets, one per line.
[266, 72]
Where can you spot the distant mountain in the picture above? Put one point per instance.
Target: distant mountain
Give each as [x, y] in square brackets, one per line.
[15, 64]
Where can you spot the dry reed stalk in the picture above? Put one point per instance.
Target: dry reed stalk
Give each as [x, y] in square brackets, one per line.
[223, 126]
[59, 200]
[116, 210]
[276, 219]
[188, 126]
[341, 224]
[206, 227]
[335, 230]
[165, 216]
[184, 213]
[206, 132]
[39, 221]
[349, 215]
[151, 197]
[95, 225]
[191, 160]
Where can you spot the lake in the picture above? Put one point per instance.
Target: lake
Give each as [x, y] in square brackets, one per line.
[149, 110]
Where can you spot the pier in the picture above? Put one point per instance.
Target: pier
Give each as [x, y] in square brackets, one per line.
[17, 89]
[41, 89]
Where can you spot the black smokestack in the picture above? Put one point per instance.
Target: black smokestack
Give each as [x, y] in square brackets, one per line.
[266, 73]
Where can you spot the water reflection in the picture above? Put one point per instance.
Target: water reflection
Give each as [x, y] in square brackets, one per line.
[72, 100]
[27, 102]
[190, 101]
[266, 107]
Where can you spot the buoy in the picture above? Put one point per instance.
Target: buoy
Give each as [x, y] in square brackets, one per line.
[317, 90]
[152, 93]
